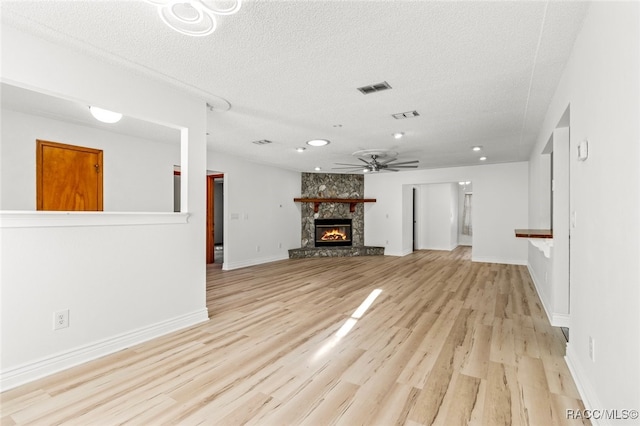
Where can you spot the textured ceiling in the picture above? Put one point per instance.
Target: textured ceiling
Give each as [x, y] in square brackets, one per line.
[478, 73]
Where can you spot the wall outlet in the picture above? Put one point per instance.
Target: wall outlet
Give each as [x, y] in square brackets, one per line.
[61, 319]
[257, 248]
[279, 245]
[592, 344]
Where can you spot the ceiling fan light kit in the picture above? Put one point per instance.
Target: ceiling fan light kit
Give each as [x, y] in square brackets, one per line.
[192, 17]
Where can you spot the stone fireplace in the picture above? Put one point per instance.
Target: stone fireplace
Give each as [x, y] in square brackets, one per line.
[332, 186]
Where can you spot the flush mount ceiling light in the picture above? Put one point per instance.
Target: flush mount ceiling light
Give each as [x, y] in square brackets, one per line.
[317, 169]
[398, 135]
[483, 158]
[301, 149]
[318, 142]
[477, 148]
[193, 17]
[105, 115]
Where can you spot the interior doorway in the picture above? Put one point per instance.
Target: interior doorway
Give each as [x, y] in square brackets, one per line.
[215, 218]
[414, 222]
[214, 248]
[442, 215]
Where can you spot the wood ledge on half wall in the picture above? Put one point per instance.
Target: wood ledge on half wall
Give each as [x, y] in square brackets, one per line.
[534, 233]
[317, 201]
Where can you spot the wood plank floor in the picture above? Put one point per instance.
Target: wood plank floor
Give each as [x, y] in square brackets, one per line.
[447, 342]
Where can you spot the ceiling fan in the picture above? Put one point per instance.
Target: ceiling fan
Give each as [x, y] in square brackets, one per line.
[376, 161]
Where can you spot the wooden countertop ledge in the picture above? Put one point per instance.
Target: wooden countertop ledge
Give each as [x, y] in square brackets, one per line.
[534, 233]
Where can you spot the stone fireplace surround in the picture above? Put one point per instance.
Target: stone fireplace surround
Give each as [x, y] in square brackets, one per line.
[332, 185]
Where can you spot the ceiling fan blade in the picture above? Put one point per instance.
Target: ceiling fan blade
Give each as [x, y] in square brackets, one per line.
[345, 164]
[364, 161]
[402, 167]
[404, 162]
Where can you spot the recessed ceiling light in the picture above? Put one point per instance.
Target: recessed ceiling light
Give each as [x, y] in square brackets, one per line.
[398, 135]
[318, 142]
[483, 158]
[477, 148]
[105, 115]
[300, 149]
[317, 169]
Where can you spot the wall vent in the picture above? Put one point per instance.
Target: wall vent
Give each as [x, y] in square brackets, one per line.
[374, 88]
[262, 142]
[403, 115]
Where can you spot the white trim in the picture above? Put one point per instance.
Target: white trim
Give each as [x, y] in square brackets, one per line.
[556, 319]
[228, 266]
[561, 320]
[46, 219]
[541, 293]
[449, 248]
[498, 260]
[587, 393]
[31, 371]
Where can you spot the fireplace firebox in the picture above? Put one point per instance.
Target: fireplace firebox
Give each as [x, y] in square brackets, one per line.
[333, 232]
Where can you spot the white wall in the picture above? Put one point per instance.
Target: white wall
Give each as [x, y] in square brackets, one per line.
[438, 214]
[261, 220]
[601, 84]
[123, 282]
[138, 173]
[550, 271]
[500, 206]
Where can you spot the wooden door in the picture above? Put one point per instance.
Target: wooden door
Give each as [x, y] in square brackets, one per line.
[210, 223]
[68, 177]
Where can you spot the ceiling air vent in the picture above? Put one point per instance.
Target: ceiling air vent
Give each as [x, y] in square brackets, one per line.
[262, 142]
[374, 88]
[403, 115]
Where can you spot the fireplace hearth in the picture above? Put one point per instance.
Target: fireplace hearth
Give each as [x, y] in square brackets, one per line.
[333, 232]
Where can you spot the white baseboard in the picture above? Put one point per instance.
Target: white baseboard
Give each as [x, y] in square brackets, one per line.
[54, 363]
[228, 266]
[541, 294]
[556, 319]
[498, 260]
[586, 391]
[560, 320]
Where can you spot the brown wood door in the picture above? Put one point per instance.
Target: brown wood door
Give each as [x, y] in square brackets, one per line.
[210, 224]
[68, 177]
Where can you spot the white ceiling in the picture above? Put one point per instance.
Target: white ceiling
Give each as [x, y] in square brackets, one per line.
[478, 73]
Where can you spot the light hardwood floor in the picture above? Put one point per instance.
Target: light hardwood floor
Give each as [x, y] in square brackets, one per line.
[447, 342]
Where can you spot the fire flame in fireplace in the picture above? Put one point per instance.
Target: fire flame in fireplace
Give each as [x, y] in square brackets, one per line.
[333, 235]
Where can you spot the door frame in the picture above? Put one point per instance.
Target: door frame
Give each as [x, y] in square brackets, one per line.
[210, 248]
